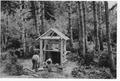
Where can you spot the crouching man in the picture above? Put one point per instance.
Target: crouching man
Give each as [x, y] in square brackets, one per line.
[49, 64]
[35, 62]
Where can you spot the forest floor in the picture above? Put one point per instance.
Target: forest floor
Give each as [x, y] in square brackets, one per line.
[42, 74]
[68, 67]
[68, 71]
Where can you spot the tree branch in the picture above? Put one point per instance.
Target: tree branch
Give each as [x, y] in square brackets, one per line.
[112, 7]
[51, 15]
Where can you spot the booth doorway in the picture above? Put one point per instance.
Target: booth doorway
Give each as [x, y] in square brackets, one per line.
[55, 56]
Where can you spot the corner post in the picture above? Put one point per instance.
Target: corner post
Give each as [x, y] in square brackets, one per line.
[61, 52]
[41, 52]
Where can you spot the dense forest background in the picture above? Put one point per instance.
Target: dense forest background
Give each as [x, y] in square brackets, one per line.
[91, 27]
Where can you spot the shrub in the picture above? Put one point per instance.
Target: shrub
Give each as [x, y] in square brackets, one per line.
[19, 53]
[73, 57]
[13, 43]
[103, 60]
[12, 67]
[89, 58]
[91, 72]
[4, 56]
[75, 72]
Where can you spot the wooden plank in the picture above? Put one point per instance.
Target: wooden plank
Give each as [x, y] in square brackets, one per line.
[44, 34]
[34, 74]
[60, 34]
[52, 50]
[49, 37]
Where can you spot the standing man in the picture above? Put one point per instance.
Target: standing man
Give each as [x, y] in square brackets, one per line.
[35, 62]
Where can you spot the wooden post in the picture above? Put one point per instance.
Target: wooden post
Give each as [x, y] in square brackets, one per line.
[61, 52]
[64, 46]
[41, 52]
[44, 55]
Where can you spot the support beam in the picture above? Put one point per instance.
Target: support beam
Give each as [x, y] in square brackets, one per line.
[64, 46]
[41, 52]
[49, 37]
[64, 55]
[61, 52]
[45, 43]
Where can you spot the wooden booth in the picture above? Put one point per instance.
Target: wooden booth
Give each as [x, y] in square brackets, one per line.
[53, 45]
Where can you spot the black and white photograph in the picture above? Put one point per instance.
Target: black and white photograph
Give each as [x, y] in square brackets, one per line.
[58, 39]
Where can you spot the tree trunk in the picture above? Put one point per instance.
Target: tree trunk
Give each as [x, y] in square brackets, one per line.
[23, 29]
[24, 41]
[95, 27]
[38, 12]
[2, 39]
[111, 60]
[100, 27]
[84, 19]
[6, 33]
[81, 29]
[70, 27]
[42, 18]
[79, 22]
[33, 9]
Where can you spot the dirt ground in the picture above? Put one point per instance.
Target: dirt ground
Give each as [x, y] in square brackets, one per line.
[68, 66]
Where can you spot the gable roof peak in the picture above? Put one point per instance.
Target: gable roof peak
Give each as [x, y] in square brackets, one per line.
[55, 30]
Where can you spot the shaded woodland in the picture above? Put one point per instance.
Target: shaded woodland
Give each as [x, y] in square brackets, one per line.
[90, 25]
